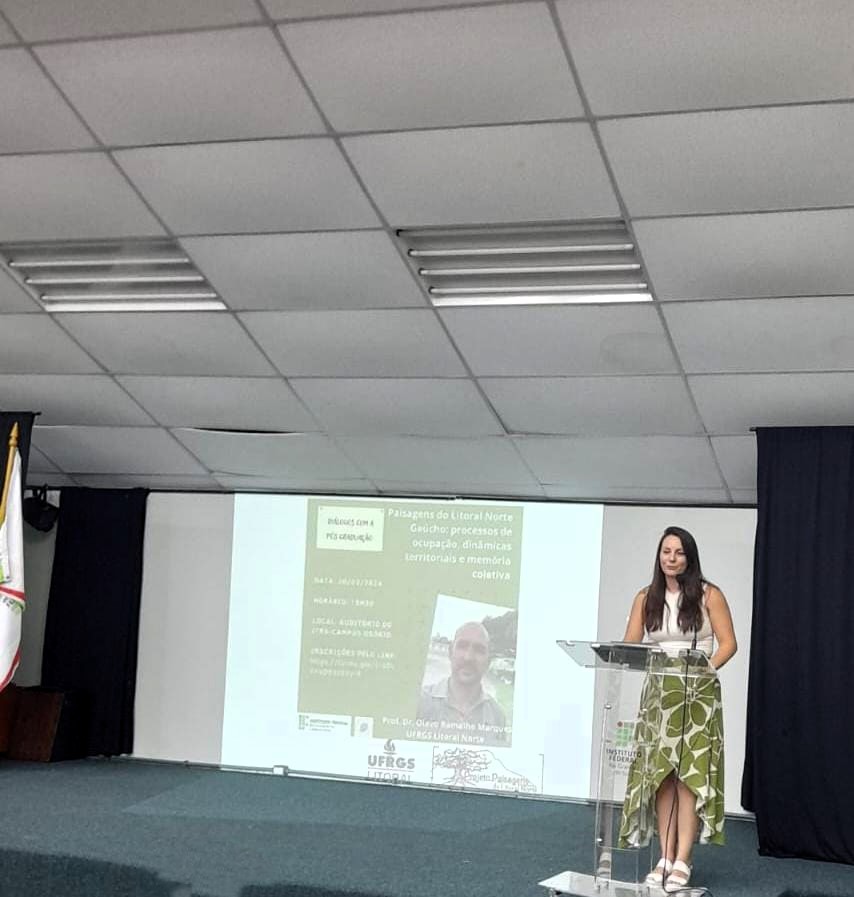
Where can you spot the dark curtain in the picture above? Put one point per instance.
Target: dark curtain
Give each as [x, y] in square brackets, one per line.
[90, 644]
[798, 774]
[8, 419]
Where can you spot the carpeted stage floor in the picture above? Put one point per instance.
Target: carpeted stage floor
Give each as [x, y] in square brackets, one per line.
[132, 829]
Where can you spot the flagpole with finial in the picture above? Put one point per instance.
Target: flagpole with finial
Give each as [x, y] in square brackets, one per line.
[10, 463]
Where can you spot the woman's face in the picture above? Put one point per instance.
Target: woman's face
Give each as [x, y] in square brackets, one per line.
[672, 557]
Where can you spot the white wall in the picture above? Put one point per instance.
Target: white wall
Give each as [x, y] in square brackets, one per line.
[183, 627]
[725, 539]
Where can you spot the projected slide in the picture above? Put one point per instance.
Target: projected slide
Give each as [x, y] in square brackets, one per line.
[412, 641]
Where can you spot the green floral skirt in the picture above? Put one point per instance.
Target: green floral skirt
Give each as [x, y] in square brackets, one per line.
[669, 727]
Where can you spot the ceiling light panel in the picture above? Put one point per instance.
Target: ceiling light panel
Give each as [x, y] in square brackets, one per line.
[563, 264]
[137, 275]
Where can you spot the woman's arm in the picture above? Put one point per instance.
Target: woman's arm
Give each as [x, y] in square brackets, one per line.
[635, 628]
[721, 620]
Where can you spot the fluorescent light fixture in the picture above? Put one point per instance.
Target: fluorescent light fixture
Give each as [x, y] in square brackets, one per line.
[551, 288]
[118, 261]
[522, 250]
[517, 264]
[130, 274]
[51, 280]
[104, 305]
[129, 296]
[524, 269]
[450, 301]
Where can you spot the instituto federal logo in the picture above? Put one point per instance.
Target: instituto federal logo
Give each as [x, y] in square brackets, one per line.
[624, 734]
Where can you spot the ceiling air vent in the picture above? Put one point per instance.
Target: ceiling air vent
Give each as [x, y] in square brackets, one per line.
[551, 264]
[124, 275]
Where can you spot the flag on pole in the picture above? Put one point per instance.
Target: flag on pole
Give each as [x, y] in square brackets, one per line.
[12, 597]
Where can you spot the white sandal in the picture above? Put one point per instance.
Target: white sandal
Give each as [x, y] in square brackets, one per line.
[656, 876]
[683, 871]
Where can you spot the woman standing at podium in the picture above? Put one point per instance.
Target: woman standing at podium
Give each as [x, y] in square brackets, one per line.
[680, 715]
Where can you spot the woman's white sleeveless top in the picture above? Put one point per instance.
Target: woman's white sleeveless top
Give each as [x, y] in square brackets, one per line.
[671, 638]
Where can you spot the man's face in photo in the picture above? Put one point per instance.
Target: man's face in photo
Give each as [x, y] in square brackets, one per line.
[469, 654]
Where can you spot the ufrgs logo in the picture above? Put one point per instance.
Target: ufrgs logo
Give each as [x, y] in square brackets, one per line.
[389, 766]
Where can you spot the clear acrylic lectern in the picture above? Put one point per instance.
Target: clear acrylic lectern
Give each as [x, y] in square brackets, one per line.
[620, 871]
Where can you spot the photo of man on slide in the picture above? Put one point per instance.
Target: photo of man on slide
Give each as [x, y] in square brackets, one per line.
[464, 710]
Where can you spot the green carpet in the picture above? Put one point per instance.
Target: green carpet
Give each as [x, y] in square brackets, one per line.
[130, 829]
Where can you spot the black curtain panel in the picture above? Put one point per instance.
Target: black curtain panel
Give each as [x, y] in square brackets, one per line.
[92, 627]
[798, 774]
[8, 419]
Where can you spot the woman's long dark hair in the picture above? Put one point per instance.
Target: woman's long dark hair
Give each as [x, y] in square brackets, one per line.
[690, 582]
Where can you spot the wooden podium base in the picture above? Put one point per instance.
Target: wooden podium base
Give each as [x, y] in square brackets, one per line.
[48, 726]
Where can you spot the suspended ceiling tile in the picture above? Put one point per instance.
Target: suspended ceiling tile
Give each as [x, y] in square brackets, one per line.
[38, 463]
[111, 450]
[744, 496]
[87, 400]
[307, 485]
[561, 340]
[33, 116]
[733, 403]
[217, 85]
[68, 196]
[50, 19]
[742, 160]
[461, 489]
[594, 406]
[732, 256]
[617, 463]
[401, 407]
[397, 72]
[737, 457]
[292, 456]
[51, 480]
[239, 403]
[14, 297]
[269, 185]
[483, 175]
[182, 343]
[282, 9]
[390, 343]
[33, 344]
[418, 459]
[347, 269]
[186, 483]
[810, 334]
[6, 35]
[700, 54]
[647, 496]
